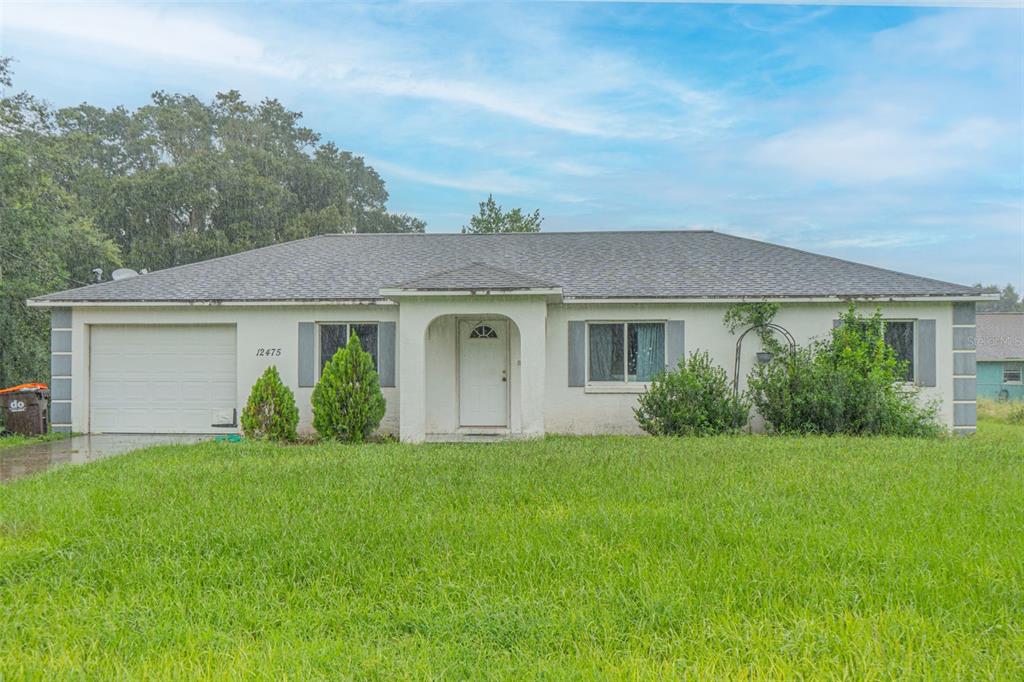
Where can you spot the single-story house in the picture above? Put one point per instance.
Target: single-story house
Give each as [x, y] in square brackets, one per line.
[474, 335]
[1001, 356]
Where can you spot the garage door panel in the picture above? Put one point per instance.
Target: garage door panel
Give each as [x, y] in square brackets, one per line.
[161, 378]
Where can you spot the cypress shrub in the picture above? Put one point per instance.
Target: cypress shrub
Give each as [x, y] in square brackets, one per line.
[270, 413]
[347, 401]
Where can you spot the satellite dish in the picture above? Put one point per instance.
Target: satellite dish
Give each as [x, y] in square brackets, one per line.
[123, 273]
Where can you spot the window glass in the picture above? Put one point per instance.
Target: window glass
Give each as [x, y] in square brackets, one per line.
[367, 334]
[483, 331]
[335, 335]
[332, 337]
[645, 350]
[900, 337]
[1011, 374]
[607, 355]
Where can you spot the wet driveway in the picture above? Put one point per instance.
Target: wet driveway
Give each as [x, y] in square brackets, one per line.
[23, 460]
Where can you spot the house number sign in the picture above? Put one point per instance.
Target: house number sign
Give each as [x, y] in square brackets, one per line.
[268, 352]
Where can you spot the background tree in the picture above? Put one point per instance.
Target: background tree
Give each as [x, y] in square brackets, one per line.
[1009, 301]
[173, 182]
[491, 219]
[181, 180]
[47, 240]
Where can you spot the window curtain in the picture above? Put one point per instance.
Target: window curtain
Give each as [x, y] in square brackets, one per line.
[650, 350]
[900, 337]
[602, 341]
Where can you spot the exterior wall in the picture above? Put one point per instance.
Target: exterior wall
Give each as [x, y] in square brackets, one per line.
[990, 382]
[541, 399]
[257, 327]
[588, 411]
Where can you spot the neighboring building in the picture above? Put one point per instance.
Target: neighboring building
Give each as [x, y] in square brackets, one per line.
[1001, 356]
[508, 334]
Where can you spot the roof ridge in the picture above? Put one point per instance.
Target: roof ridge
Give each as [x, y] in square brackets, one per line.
[510, 234]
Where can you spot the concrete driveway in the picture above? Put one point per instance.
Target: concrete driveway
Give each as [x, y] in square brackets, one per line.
[24, 460]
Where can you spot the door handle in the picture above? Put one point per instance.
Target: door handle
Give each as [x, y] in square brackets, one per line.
[504, 375]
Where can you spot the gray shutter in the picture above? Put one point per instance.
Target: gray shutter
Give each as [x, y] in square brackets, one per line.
[675, 343]
[386, 354]
[307, 354]
[577, 353]
[963, 313]
[926, 352]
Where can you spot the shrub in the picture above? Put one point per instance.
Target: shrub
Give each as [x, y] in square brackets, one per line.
[695, 399]
[347, 401]
[270, 413]
[850, 383]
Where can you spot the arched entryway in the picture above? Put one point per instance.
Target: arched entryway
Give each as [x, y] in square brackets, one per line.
[472, 375]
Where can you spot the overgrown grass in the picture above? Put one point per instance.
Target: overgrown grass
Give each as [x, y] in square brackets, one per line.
[569, 557]
[10, 440]
[1006, 412]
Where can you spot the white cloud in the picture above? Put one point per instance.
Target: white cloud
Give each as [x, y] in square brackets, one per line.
[884, 241]
[555, 85]
[873, 149]
[496, 182]
[155, 32]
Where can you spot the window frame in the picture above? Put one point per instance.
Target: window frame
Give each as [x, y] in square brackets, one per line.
[913, 362]
[1014, 366]
[335, 323]
[625, 385]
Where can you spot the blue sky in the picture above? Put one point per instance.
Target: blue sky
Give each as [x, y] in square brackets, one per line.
[887, 135]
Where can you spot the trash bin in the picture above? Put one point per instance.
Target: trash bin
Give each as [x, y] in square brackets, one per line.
[26, 409]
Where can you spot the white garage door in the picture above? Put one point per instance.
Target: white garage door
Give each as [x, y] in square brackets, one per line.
[161, 379]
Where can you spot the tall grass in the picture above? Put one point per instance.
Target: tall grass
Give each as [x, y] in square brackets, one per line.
[567, 557]
[1007, 412]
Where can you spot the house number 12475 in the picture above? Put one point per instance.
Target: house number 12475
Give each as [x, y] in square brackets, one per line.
[268, 352]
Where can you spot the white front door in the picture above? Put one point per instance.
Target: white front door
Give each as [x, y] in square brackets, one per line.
[483, 373]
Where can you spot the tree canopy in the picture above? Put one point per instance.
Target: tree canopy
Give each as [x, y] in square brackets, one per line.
[1009, 300]
[492, 219]
[173, 182]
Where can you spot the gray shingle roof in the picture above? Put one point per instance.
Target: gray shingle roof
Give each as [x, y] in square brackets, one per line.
[1000, 336]
[684, 264]
[476, 276]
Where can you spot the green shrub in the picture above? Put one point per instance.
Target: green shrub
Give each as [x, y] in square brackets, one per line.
[851, 383]
[347, 401]
[270, 413]
[695, 399]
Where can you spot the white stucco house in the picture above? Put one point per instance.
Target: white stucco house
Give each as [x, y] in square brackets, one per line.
[473, 335]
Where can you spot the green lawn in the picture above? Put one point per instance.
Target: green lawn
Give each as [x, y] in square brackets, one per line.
[9, 441]
[567, 557]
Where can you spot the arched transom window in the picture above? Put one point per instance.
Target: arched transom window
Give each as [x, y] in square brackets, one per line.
[483, 331]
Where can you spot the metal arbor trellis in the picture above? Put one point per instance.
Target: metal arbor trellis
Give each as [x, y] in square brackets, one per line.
[739, 346]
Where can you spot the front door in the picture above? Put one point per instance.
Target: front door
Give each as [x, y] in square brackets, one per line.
[483, 373]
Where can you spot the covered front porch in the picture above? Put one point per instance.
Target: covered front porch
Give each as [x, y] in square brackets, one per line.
[472, 358]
